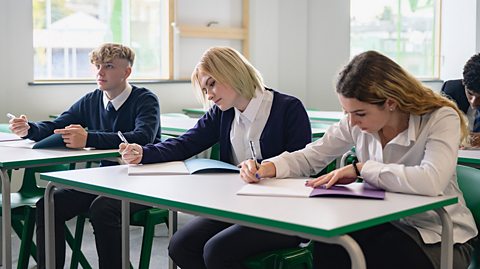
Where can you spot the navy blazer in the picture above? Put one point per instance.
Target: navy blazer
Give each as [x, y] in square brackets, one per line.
[455, 90]
[287, 129]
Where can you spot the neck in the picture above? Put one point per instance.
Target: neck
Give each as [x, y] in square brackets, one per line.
[112, 93]
[242, 103]
[397, 124]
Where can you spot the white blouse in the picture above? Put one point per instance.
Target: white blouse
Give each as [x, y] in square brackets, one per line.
[420, 160]
[248, 126]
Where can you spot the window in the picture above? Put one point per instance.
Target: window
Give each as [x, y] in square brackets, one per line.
[406, 31]
[65, 31]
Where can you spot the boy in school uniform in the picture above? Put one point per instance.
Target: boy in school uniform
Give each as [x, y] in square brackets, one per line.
[93, 121]
[466, 92]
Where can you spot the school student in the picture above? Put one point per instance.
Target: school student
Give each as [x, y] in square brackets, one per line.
[114, 106]
[466, 93]
[406, 139]
[244, 110]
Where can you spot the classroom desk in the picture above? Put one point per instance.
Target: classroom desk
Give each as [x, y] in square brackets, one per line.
[313, 115]
[15, 158]
[469, 157]
[329, 116]
[214, 196]
[176, 126]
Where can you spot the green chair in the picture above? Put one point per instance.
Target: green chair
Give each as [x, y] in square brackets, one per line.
[23, 211]
[147, 218]
[469, 182]
[292, 258]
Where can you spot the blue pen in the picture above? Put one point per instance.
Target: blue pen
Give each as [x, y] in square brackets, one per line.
[254, 155]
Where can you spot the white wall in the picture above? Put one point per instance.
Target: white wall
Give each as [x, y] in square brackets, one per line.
[328, 50]
[460, 36]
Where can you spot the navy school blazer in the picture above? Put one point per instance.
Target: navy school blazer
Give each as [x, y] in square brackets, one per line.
[287, 129]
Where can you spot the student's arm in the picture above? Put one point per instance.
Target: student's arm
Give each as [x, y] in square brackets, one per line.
[435, 171]
[316, 155]
[201, 137]
[147, 120]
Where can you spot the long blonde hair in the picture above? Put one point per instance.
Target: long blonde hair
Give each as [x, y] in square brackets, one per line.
[373, 78]
[228, 66]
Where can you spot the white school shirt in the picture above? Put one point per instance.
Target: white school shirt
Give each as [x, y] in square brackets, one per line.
[248, 126]
[420, 160]
[118, 101]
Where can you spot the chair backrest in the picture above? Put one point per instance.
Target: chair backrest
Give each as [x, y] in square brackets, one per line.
[29, 183]
[469, 182]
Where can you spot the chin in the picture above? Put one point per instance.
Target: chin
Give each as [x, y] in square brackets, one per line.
[223, 108]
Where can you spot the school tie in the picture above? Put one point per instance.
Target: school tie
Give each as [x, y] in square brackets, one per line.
[476, 125]
[110, 107]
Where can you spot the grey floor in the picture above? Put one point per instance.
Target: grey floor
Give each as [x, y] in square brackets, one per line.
[159, 257]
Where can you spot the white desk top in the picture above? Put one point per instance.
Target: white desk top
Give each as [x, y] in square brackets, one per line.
[325, 115]
[213, 195]
[11, 157]
[470, 156]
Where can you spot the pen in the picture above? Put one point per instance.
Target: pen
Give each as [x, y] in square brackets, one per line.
[11, 116]
[124, 140]
[254, 153]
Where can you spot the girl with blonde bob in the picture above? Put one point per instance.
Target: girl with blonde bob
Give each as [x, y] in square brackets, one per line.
[406, 139]
[243, 111]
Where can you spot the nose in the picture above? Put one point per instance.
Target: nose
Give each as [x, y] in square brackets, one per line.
[209, 94]
[353, 120]
[100, 71]
[475, 101]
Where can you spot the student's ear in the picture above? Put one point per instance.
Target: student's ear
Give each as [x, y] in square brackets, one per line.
[390, 104]
[128, 71]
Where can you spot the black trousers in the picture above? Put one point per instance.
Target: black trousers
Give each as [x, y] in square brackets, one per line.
[205, 243]
[384, 246]
[105, 216]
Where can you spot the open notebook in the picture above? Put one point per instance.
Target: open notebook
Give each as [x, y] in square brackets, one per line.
[6, 137]
[53, 141]
[190, 166]
[296, 188]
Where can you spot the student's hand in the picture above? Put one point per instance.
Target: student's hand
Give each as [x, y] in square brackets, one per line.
[131, 153]
[19, 126]
[250, 174]
[74, 136]
[343, 175]
[474, 140]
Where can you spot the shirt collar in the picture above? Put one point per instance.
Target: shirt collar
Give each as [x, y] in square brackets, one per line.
[252, 108]
[409, 135]
[118, 101]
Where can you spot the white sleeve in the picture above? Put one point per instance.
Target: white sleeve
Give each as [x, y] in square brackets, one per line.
[316, 155]
[432, 175]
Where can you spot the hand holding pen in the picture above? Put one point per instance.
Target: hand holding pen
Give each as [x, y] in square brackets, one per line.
[18, 125]
[131, 153]
[251, 171]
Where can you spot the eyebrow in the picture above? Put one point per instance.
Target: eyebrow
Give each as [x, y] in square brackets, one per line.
[355, 111]
[206, 82]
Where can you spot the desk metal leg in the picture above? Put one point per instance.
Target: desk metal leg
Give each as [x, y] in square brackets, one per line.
[6, 221]
[49, 226]
[350, 245]
[125, 234]
[172, 228]
[447, 239]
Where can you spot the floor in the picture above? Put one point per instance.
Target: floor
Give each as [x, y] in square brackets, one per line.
[159, 257]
